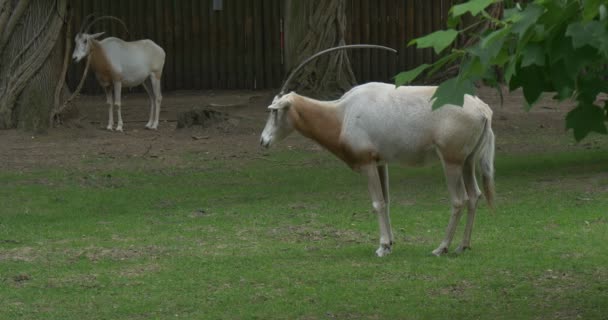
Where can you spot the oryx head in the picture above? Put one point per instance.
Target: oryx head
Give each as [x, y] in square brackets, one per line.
[278, 126]
[83, 39]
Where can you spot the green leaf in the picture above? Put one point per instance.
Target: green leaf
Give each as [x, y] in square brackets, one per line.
[523, 20]
[592, 33]
[439, 40]
[562, 80]
[533, 54]
[406, 77]
[474, 7]
[472, 68]
[452, 92]
[531, 80]
[589, 85]
[591, 9]
[510, 69]
[490, 45]
[584, 119]
[443, 61]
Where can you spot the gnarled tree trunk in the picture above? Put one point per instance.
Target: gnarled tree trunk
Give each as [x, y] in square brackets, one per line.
[32, 51]
[311, 26]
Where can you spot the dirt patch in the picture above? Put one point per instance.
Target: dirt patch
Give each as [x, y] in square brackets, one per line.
[85, 144]
[306, 234]
[22, 254]
[139, 270]
[96, 254]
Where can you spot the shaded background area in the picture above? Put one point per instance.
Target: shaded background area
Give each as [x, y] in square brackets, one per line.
[241, 44]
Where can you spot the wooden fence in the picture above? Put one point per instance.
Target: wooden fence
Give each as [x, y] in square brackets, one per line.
[239, 46]
[392, 23]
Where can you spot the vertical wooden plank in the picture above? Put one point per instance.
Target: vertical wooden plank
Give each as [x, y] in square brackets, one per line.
[132, 17]
[375, 36]
[355, 36]
[159, 36]
[231, 44]
[365, 37]
[276, 43]
[384, 38]
[409, 32]
[124, 15]
[437, 19]
[249, 49]
[205, 49]
[267, 21]
[222, 48]
[393, 59]
[170, 45]
[241, 37]
[402, 36]
[178, 29]
[214, 50]
[428, 28]
[187, 45]
[419, 31]
[195, 44]
[258, 42]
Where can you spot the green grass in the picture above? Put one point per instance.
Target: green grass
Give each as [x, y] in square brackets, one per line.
[293, 236]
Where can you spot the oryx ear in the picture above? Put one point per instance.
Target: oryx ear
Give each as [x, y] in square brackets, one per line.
[281, 104]
[96, 35]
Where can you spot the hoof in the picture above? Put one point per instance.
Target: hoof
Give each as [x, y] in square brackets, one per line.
[109, 128]
[383, 251]
[462, 249]
[119, 129]
[440, 251]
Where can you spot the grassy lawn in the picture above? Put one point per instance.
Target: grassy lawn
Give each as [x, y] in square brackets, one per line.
[293, 235]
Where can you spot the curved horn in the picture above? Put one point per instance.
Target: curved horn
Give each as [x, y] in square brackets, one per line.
[350, 46]
[86, 30]
[85, 22]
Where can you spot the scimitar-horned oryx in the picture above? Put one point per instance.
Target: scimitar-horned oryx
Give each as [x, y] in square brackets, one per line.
[376, 123]
[118, 63]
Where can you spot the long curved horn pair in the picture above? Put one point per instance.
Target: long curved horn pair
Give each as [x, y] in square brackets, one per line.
[85, 22]
[86, 29]
[320, 53]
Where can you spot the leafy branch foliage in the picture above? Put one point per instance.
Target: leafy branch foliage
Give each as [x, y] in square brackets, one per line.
[557, 46]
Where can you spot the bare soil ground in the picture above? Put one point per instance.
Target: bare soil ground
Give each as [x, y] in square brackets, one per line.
[70, 145]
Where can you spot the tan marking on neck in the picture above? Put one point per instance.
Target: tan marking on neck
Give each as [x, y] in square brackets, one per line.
[323, 123]
[101, 65]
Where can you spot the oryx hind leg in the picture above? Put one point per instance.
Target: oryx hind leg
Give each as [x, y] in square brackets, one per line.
[458, 197]
[147, 84]
[379, 202]
[473, 193]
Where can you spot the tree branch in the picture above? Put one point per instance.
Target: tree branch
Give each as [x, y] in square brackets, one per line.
[75, 94]
[12, 22]
[64, 70]
[32, 41]
[4, 14]
[33, 63]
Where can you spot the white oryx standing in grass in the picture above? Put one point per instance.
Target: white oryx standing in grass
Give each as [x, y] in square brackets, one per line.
[376, 123]
[119, 64]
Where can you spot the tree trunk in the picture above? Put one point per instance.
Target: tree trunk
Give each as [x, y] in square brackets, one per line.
[310, 27]
[32, 54]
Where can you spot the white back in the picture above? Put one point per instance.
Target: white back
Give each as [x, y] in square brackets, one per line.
[400, 124]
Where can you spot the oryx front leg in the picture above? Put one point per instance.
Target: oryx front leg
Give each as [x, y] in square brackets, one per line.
[110, 102]
[458, 197]
[117, 102]
[377, 177]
